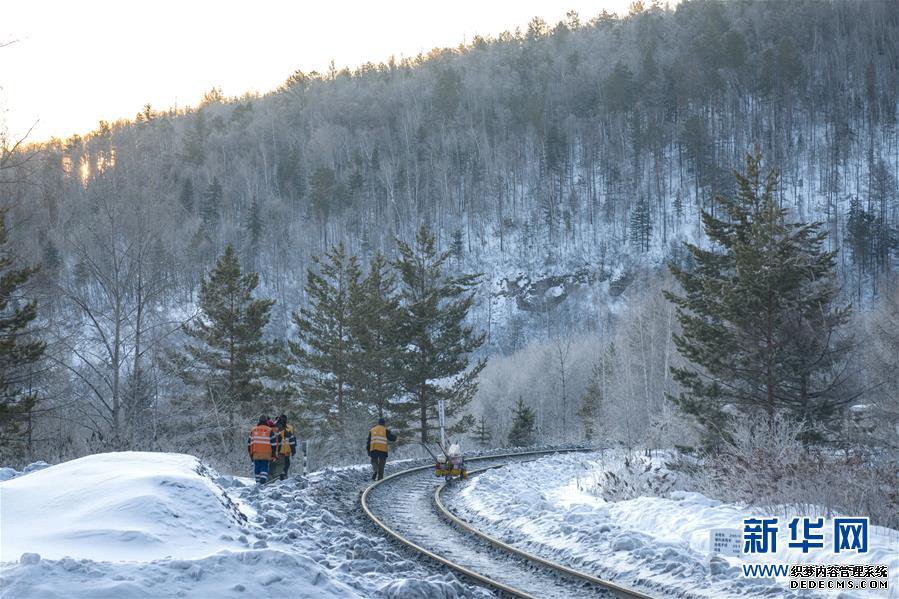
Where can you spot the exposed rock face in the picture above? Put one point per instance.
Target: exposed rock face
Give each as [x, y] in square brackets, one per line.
[542, 294]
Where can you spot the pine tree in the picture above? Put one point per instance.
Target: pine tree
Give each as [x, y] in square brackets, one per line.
[619, 88]
[254, 230]
[594, 394]
[859, 238]
[324, 191]
[482, 433]
[20, 350]
[195, 141]
[227, 357]
[186, 197]
[355, 185]
[51, 263]
[457, 247]
[375, 323]
[324, 349]
[550, 216]
[591, 402]
[254, 222]
[760, 324]
[641, 225]
[678, 206]
[523, 431]
[882, 193]
[291, 182]
[439, 343]
[212, 204]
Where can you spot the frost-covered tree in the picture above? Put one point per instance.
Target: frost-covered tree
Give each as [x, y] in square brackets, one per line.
[594, 394]
[376, 364]
[482, 433]
[641, 225]
[227, 361]
[439, 343]
[211, 208]
[323, 351]
[523, 431]
[20, 348]
[760, 314]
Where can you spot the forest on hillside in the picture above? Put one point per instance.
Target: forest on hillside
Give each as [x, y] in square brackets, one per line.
[566, 164]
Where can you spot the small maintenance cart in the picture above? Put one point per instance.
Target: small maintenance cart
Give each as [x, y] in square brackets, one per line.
[450, 463]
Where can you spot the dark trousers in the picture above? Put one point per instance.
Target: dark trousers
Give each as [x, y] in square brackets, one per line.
[378, 461]
[260, 469]
[285, 466]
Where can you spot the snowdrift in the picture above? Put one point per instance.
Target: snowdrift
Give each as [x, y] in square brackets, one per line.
[137, 524]
[129, 506]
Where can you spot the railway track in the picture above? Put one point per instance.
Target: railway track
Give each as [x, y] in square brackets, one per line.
[408, 507]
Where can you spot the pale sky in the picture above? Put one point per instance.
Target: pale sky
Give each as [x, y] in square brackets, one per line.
[77, 62]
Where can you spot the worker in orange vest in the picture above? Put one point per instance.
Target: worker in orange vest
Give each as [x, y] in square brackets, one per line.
[376, 445]
[261, 444]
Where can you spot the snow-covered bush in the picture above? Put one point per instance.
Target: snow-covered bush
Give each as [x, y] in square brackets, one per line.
[766, 465]
[635, 476]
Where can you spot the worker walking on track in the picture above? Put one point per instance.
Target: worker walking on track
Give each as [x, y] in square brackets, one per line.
[286, 448]
[376, 446]
[261, 443]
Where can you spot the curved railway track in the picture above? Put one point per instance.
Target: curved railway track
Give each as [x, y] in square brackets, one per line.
[407, 506]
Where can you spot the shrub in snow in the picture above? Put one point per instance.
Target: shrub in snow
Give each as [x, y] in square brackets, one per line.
[765, 464]
[635, 477]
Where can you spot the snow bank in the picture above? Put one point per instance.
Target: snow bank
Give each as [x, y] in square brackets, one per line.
[657, 543]
[263, 573]
[142, 525]
[129, 506]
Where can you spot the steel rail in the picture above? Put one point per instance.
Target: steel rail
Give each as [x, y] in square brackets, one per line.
[485, 580]
[618, 589]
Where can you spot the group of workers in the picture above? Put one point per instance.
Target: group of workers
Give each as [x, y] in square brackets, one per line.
[271, 444]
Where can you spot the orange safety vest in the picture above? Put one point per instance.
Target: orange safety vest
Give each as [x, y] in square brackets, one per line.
[261, 442]
[378, 438]
[283, 443]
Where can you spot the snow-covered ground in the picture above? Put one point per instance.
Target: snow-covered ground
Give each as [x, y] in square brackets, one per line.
[162, 525]
[655, 543]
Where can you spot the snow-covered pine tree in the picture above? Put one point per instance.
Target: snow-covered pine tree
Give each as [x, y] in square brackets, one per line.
[592, 398]
[591, 402]
[761, 324]
[254, 228]
[641, 225]
[882, 192]
[226, 359]
[439, 343]
[482, 433]
[859, 237]
[20, 350]
[523, 431]
[678, 205]
[457, 247]
[322, 352]
[375, 369]
[212, 205]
